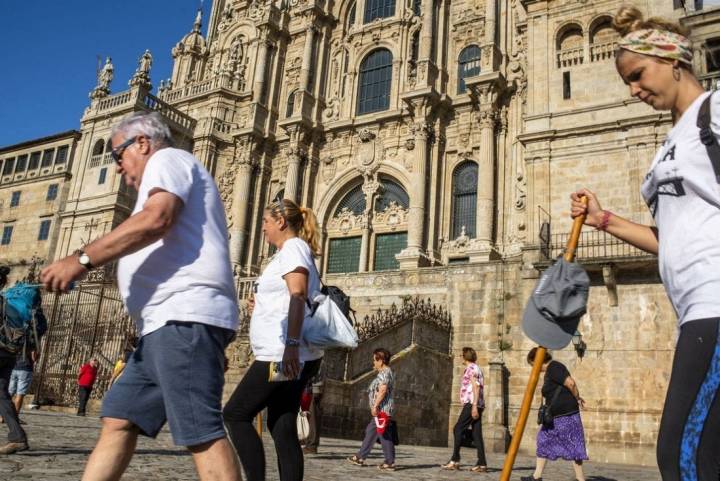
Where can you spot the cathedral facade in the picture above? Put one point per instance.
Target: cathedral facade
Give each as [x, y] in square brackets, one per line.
[438, 142]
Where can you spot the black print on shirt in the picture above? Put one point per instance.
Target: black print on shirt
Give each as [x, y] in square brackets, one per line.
[669, 155]
[671, 185]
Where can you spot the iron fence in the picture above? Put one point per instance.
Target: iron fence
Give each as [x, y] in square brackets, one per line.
[593, 246]
[88, 322]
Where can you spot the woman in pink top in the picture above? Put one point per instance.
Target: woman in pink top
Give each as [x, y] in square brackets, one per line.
[471, 398]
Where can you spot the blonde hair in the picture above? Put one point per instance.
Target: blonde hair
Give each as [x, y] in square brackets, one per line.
[301, 220]
[629, 19]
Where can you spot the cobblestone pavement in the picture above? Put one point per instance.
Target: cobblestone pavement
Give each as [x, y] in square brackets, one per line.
[61, 443]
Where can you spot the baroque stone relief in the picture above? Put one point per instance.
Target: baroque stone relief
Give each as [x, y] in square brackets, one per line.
[345, 221]
[393, 217]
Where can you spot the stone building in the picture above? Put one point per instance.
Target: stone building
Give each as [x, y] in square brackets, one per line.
[34, 182]
[438, 143]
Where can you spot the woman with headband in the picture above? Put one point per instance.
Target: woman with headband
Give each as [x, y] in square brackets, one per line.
[654, 59]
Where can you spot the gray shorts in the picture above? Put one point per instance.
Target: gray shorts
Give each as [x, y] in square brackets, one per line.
[176, 375]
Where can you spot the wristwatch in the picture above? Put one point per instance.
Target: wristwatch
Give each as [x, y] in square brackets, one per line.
[84, 259]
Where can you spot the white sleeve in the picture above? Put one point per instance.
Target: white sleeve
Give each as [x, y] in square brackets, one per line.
[295, 254]
[171, 173]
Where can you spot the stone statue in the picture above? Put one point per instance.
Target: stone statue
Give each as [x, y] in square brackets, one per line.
[142, 74]
[105, 75]
[145, 63]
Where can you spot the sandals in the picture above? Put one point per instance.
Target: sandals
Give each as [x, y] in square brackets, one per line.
[451, 466]
[356, 461]
[386, 467]
[479, 469]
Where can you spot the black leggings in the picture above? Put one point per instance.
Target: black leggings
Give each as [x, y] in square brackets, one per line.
[689, 440]
[282, 399]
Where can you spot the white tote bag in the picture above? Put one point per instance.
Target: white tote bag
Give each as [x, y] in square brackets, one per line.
[328, 327]
[303, 426]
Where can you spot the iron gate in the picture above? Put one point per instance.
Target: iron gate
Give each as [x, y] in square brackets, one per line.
[88, 322]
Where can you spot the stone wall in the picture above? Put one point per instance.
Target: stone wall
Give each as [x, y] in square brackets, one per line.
[623, 374]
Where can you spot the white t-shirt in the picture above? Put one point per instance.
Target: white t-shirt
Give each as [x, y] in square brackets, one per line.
[268, 326]
[186, 275]
[684, 199]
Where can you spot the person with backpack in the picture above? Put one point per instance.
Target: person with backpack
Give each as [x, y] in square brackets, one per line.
[682, 191]
[21, 323]
[284, 363]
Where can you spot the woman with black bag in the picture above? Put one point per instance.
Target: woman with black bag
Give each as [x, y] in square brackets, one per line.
[472, 387]
[561, 435]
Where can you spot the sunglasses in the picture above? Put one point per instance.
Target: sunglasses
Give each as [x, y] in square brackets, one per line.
[118, 151]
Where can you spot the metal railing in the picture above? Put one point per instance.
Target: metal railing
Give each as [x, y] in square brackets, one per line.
[593, 246]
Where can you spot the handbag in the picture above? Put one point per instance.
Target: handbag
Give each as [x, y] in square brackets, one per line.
[545, 416]
[303, 426]
[327, 326]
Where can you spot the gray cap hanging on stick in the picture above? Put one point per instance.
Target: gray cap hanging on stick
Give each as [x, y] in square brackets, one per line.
[557, 303]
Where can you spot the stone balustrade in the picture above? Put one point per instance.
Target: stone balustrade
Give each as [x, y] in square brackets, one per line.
[710, 81]
[570, 57]
[602, 51]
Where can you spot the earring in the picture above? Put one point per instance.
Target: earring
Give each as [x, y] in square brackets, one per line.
[676, 73]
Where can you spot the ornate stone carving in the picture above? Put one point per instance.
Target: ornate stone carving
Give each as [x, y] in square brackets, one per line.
[329, 167]
[366, 135]
[345, 221]
[487, 118]
[393, 216]
[227, 18]
[332, 109]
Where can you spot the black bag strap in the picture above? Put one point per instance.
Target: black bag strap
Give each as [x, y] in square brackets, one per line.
[707, 137]
[555, 395]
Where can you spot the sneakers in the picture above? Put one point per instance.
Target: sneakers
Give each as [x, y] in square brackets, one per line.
[530, 478]
[11, 448]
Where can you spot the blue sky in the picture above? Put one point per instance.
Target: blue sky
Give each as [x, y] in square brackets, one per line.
[50, 50]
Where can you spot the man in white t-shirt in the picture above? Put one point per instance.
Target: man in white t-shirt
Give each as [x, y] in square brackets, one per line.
[176, 281]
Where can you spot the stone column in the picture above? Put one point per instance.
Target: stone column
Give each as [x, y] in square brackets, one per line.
[497, 436]
[490, 21]
[365, 243]
[307, 59]
[241, 192]
[486, 178]
[259, 81]
[426, 32]
[293, 174]
[414, 254]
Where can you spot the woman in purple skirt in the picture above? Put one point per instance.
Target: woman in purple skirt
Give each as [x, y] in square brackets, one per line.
[566, 438]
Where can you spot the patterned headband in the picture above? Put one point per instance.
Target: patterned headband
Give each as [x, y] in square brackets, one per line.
[658, 43]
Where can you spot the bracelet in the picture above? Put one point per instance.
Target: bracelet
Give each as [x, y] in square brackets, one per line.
[605, 221]
[292, 342]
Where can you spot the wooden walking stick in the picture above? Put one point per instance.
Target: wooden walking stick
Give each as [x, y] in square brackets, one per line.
[537, 365]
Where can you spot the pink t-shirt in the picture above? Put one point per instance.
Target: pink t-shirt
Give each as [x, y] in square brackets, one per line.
[472, 374]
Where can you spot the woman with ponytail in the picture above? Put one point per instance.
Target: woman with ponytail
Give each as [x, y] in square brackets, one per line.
[682, 190]
[283, 362]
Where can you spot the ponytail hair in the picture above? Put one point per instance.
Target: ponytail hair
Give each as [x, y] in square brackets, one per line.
[301, 220]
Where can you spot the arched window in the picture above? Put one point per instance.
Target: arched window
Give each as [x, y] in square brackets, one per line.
[99, 147]
[375, 81]
[569, 45]
[468, 65]
[603, 39]
[391, 192]
[108, 145]
[290, 104]
[464, 181]
[354, 201]
[379, 9]
[351, 16]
